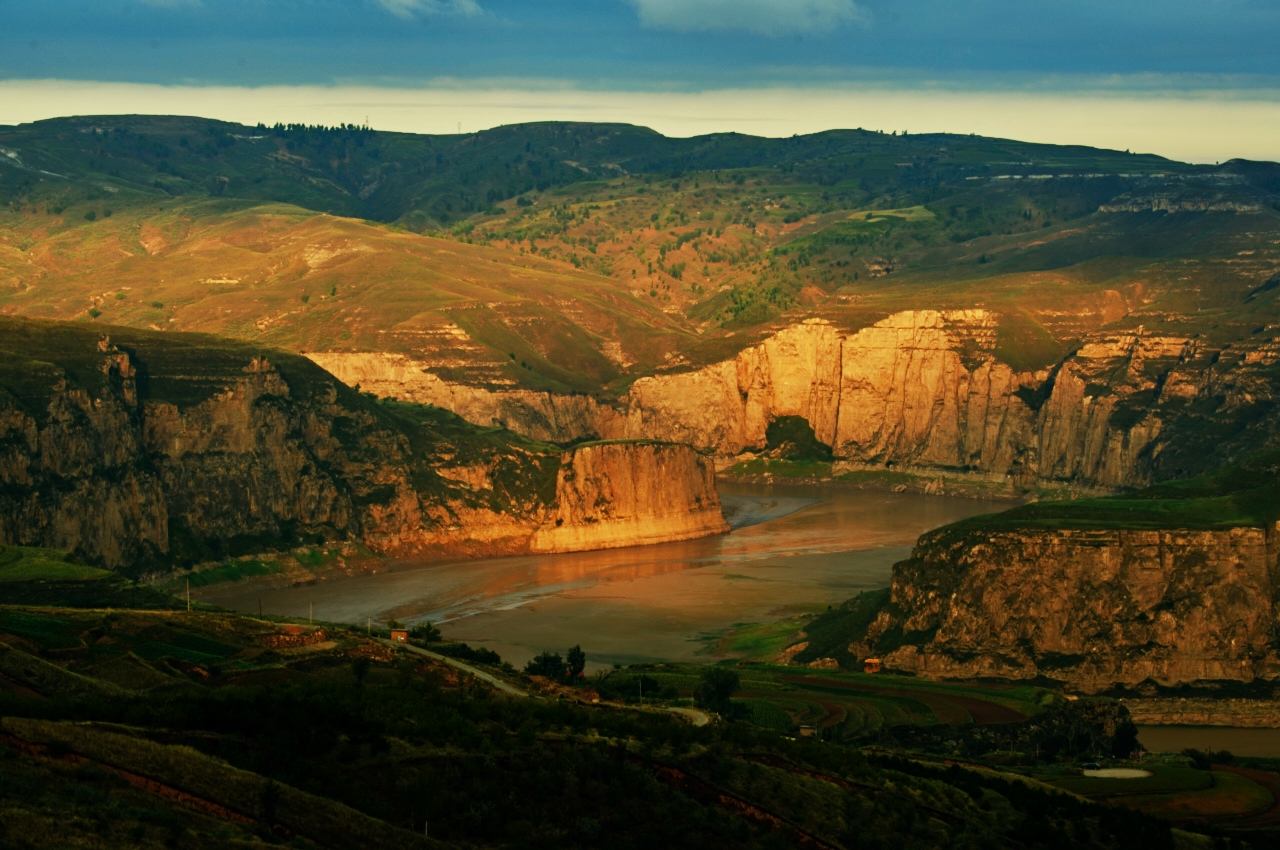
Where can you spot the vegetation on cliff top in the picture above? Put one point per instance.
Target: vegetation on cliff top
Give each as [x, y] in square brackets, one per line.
[1242, 494]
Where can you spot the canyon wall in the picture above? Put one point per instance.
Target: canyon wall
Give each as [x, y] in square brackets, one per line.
[610, 495]
[1093, 608]
[920, 389]
[545, 416]
[158, 451]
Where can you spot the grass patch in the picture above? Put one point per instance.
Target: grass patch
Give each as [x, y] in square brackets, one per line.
[783, 468]
[758, 640]
[766, 714]
[20, 563]
[831, 632]
[228, 572]
[1229, 794]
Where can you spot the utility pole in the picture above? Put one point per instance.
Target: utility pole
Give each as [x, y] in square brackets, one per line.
[311, 613]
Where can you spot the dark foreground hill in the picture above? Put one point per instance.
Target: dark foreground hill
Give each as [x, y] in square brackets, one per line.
[148, 728]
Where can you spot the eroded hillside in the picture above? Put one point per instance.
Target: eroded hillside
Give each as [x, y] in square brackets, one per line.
[145, 449]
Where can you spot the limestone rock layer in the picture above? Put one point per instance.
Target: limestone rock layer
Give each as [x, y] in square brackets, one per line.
[611, 495]
[1093, 608]
[919, 389]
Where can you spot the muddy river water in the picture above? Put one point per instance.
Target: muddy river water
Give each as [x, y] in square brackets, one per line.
[793, 549]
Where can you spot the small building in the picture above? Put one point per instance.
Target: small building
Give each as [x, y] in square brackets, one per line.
[399, 635]
[871, 665]
[808, 731]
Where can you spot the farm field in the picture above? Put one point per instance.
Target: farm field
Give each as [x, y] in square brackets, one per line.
[842, 706]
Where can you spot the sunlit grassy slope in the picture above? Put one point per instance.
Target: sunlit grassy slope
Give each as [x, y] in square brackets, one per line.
[295, 279]
[579, 257]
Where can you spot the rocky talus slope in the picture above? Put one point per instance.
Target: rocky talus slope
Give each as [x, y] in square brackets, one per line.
[141, 450]
[919, 389]
[1091, 607]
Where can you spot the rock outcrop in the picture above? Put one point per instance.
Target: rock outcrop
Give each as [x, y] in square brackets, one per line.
[538, 415]
[159, 449]
[1092, 608]
[920, 389]
[610, 495]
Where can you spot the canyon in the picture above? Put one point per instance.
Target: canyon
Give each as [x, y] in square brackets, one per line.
[919, 390]
[142, 451]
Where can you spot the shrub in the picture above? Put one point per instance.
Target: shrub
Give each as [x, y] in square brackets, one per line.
[424, 633]
[715, 688]
[548, 664]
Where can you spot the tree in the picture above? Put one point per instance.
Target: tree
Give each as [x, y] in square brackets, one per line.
[717, 686]
[548, 664]
[360, 669]
[424, 633]
[577, 661]
[269, 799]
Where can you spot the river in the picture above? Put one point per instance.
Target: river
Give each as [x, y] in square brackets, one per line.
[1262, 743]
[792, 549]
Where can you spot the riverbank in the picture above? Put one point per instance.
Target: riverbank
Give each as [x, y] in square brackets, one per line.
[793, 547]
[749, 469]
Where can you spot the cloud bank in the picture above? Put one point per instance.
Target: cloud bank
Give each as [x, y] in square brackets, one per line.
[763, 17]
[412, 8]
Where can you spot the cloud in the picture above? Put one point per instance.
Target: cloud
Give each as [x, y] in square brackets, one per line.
[413, 8]
[764, 17]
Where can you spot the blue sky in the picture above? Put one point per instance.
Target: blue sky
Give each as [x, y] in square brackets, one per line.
[1175, 52]
[685, 44]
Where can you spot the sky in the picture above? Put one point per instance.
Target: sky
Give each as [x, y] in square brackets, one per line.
[1197, 81]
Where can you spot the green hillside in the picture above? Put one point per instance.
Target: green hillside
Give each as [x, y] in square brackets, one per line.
[579, 257]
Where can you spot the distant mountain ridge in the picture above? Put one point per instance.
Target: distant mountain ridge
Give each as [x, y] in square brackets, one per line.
[430, 180]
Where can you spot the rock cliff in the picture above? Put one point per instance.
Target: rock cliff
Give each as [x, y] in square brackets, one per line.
[148, 449]
[538, 415]
[617, 494]
[922, 389]
[1090, 607]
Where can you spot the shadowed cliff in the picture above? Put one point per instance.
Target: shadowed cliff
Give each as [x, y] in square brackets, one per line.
[141, 450]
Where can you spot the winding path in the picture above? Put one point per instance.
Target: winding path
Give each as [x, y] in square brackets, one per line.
[696, 716]
[489, 678]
